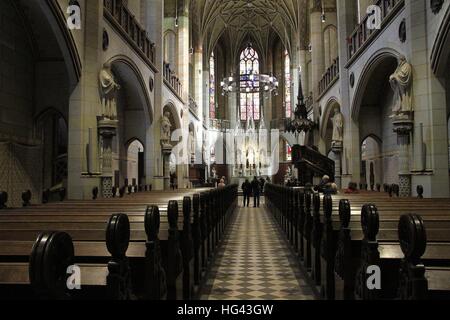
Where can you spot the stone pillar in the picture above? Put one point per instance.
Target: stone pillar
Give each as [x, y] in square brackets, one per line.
[166, 151]
[351, 166]
[304, 72]
[198, 78]
[84, 105]
[317, 50]
[154, 25]
[183, 52]
[429, 103]
[107, 130]
[337, 150]
[317, 61]
[403, 128]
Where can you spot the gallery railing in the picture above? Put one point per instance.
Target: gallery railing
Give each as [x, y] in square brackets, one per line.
[362, 34]
[127, 25]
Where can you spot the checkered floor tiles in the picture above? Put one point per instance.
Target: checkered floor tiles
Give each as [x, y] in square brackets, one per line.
[255, 263]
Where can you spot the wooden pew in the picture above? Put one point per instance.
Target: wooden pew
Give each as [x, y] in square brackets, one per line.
[45, 274]
[319, 238]
[191, 274]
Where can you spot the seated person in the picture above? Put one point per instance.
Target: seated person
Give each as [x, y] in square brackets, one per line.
[330, 188]
[352, 188]
[323, 183]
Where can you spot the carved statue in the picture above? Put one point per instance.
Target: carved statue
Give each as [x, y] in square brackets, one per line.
[400, 82]
[108, 90]
[338, 126]
[191, 142]
[165, 128]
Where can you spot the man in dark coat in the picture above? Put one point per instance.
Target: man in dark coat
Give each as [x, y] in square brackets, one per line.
[256, 192]
[246, 190]
[262, 182]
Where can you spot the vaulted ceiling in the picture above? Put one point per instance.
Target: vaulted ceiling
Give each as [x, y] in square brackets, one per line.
[261, 21]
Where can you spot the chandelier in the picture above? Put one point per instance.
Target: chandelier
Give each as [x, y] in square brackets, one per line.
[250, 83]
[300, 123]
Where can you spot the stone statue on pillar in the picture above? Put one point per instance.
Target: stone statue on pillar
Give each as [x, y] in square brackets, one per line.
[167, 147]
[107, 125]
[403, 122]
[108, 91]
[338, 127]
[191, 143]
[401, 81]
[337, 144]
[166, 126]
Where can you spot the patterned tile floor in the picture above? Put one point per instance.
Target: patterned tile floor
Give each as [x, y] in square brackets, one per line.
[255, 263]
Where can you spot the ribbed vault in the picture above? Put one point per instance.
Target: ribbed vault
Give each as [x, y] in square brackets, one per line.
[262, 21]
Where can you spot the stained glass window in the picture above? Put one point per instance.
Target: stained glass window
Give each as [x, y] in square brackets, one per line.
[249, 101]
[212, 87]
[287, 85]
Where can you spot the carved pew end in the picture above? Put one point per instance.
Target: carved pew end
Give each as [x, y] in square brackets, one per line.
[413, 241]
[62, 194]
[3, 199]
[26, 198]
[122, 191]
[155, 276]
[370, 223]
[51, 255]
[95, 193]
[420, 192]
[45, 196]
[118, 281]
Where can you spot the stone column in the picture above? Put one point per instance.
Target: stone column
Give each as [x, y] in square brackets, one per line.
[346, 13]
[403, 128]
[107, 130]
[317, 49]
[154, 10]
[198, 78]
[337, 150]
[429, 102]
[317, 62]
[166, 151]
[84, 105]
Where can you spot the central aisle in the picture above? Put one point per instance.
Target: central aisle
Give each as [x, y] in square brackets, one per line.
[255, 262]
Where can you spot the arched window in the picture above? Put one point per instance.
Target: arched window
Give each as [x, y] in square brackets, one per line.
[249, 101]
[287, 85]
[212, 87]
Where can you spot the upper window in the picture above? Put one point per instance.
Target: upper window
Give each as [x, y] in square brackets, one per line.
[212, 87]
[287, 85]
[249, 101]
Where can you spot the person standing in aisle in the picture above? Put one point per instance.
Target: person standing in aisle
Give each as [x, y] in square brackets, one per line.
[246, 190]
[256, 192]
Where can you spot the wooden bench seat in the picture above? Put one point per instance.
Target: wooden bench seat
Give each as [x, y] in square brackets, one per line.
[330, 249]
[86, 221]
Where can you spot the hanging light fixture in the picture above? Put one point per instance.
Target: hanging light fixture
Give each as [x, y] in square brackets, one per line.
[250, 83]
[323, 16]
[176, 14]
[300, 123]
